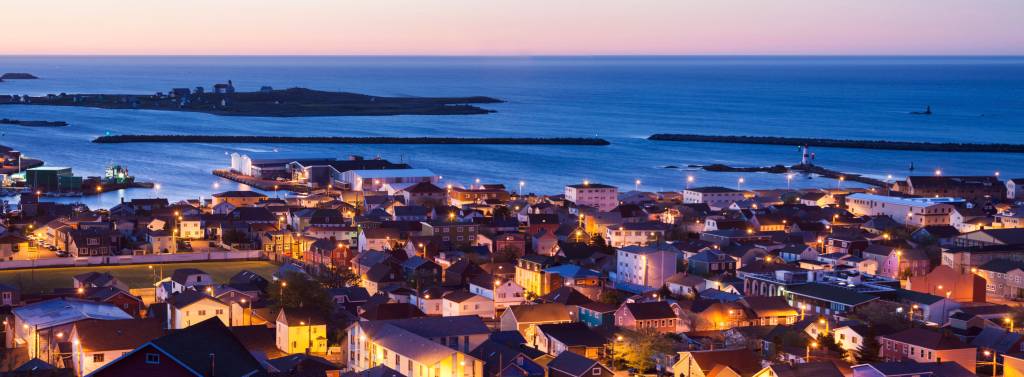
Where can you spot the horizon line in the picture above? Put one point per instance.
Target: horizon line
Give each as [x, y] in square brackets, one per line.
[966, 55]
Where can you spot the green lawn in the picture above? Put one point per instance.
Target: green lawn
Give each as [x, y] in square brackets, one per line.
[136, 276]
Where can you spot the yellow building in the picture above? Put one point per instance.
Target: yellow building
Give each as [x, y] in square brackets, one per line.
[298, 330]
[530, 275]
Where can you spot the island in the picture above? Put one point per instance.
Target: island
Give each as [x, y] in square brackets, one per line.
[33, 123]
[267, 102]
[247, 139]
[842, 143]
[18, 76]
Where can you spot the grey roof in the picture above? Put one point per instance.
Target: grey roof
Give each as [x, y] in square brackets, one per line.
[909, 368]
[572, 364]
[64, 310]
[181, 275]
[832, 293]
[1002, 265]
[541, 313]
[650, 310]
[997, 339]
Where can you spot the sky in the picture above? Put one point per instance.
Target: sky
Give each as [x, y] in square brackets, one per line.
[514, 27]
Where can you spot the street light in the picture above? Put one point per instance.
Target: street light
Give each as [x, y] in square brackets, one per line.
[1009, 320]
[689, 180]
[521, 184]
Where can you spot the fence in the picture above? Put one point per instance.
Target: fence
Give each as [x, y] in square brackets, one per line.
[133, 259]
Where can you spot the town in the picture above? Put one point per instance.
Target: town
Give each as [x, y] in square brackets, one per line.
[366, 267]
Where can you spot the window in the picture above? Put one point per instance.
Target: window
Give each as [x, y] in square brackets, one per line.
[97, 358]
[595, 371]
[202, 312]
[220, 311]
[152, 358]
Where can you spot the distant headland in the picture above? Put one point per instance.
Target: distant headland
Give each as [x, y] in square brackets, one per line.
[841, 143]
[18, 76]
[267, 102]
[247, 139]
[33, 123]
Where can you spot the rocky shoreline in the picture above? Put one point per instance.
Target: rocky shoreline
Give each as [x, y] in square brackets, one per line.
[840, 143]
[241, 139]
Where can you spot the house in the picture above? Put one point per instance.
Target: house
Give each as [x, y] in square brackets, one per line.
[926, 346]
[596, 195]
[531, 276]
[128, 302]
[685, 285]
[658, 315]
[503, 293]
[9, 295]
[806, 369]
[715, 197]
[191, 307]
[478, 193]
[424, 194]
[309, 365]
[421, 272]
[100, 342]
[510, 242]
[97, 280]
[451, 230]
[11, 244]
[570, 364]
[645, 268]
[525, 318]
[418, 347]
[910, 369]
[300, 331]
[206, 349]
[964, 287]
[378, 239]
[827, 299]
[238, 199]
[573, 337]
[1003, 278]
[544, 242]
[719, 362]
[711, 262]
[597, 314]
[990, 237]
[189, 277]
[634, 234]
[984, 187]
[460, 303]
[1015, 188]
[969, 219]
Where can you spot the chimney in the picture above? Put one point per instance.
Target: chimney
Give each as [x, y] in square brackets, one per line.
[213, 364]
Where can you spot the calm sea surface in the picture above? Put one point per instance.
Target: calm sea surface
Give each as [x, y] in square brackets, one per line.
[622, 99]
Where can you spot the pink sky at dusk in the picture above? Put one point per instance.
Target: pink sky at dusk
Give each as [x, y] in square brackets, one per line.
[523, 27]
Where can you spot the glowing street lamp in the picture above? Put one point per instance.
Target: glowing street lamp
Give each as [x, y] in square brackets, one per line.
[689, 180]
[521, 184]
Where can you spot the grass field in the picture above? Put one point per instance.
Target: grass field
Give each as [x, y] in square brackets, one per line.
[136, 276]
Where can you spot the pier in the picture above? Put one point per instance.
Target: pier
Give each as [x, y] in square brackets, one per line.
[841, 143]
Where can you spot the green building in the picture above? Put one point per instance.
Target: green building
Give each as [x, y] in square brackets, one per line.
[52, 179]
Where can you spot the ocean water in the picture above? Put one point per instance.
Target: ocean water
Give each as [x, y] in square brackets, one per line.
[621, 99]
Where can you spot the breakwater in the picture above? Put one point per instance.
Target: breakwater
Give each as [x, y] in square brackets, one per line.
[346, 140]
[841, 143]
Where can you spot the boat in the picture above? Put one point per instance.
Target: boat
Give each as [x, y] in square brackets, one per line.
[927, 111]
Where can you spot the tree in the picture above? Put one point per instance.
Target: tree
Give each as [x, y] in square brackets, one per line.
[868, 350]
[299, 291]
[640, 349]
[881, 313]
[612, 297]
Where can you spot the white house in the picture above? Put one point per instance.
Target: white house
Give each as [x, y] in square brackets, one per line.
[191, 307]
[189, 277]
[647, 266]
[634, 234]
[464, 303]
[715, 197]
[508, 292]
[603, 197]
[1015, 188]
